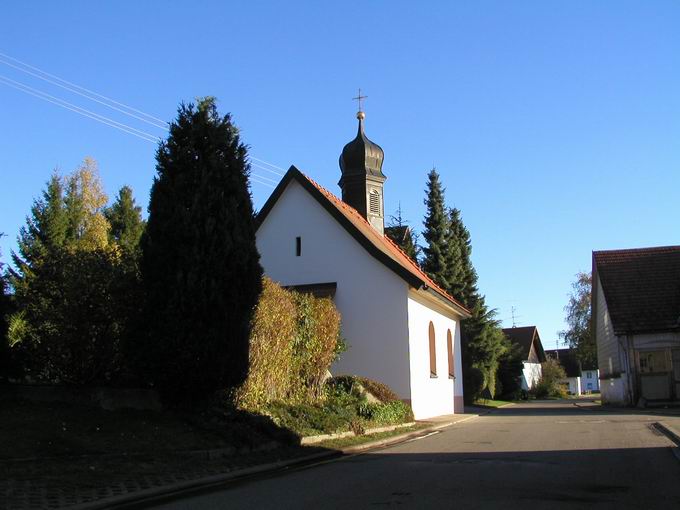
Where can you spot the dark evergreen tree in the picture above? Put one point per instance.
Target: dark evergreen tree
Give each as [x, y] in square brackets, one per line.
[448, 262]
[45, 230]
[510, 366]
[200, 264]
[126, 221]
[402, 235]
[73, 293]
[5, 304]
[436, 256]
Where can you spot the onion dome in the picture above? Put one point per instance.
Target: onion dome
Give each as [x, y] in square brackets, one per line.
[361, 156]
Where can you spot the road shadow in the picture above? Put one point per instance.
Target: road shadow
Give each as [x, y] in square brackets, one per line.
[623, 478]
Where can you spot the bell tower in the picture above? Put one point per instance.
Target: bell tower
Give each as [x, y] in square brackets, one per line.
[362, 179]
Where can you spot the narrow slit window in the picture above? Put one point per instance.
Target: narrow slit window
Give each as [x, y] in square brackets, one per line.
[298, 246]
[433, 352]
[449, 348]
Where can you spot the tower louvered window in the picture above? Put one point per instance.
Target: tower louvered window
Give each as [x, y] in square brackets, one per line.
[374, 202]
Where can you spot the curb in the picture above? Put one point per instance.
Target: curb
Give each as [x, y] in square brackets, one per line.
[668, 431]
[312, 440]
[389, 441]
[156, 495]
[184, 488]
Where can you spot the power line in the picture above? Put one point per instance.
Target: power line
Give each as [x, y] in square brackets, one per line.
[153, 123]
[253, 179]
[72, 87]
[77, 109]
[266, 163]
[273, 181]
[79, 87]
[266, 169]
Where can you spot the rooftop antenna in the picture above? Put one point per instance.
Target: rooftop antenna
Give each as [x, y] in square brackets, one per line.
[514, 317]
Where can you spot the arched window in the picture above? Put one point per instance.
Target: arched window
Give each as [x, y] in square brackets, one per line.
[433, 352]
[449, 348]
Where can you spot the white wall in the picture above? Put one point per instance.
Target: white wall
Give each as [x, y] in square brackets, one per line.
[608, 349]
[574, 384]
[611, 358]
[593, 380]
[432, 396]
[370, 297]
[614, 391]
[531, 373]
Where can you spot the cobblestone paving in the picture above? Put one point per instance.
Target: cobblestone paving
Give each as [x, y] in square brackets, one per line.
[64, 483]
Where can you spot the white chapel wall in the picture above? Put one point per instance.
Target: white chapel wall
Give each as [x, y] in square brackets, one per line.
[432, 396]
[370, 297]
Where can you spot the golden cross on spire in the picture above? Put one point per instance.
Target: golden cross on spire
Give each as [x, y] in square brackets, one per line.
[359, 98]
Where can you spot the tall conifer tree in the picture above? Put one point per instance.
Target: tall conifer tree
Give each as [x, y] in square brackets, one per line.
[448, 262]
[45, 229]
[125, 217]
[200, 264]
[436, 257]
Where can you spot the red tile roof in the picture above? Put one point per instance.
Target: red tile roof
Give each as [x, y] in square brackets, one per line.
[641, 287]
[387, 251]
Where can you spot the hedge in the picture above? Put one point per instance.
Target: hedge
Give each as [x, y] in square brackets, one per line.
[294, 339]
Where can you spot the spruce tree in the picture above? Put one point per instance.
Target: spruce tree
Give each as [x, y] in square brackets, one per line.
[45, 229]
[436, 259]
[448, 262]
[73, 292]
[126, 221]
[200, 264]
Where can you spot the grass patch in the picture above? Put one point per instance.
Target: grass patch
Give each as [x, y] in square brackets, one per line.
[491, 403]
[346, 442]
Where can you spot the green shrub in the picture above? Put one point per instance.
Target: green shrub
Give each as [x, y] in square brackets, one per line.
[74, 315]
[271, 373]
[344, 408]
[294, 339]
[314, 348]
[379, 390]
[389, 413]
[550, 385]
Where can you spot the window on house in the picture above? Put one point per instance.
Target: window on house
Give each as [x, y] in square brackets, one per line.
[374, 202]
[449, 348]
[298, 246]
[589, 375]
[433, 352]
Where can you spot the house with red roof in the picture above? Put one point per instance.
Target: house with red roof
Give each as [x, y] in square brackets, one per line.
[636, 322]
[400, 327]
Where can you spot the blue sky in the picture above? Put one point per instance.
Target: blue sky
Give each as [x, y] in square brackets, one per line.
[555, 125]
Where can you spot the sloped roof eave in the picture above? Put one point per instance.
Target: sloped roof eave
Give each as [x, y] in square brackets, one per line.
[414, 280]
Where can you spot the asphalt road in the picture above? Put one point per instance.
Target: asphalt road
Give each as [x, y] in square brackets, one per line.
[530, 456]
